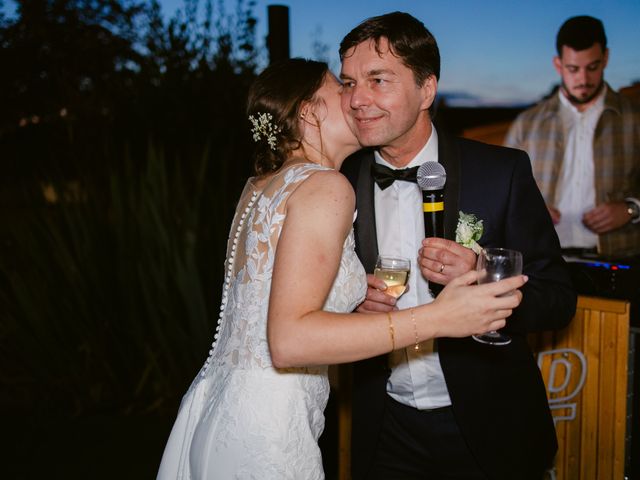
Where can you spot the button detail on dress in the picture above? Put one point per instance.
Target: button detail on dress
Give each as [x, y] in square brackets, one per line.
[227, 282]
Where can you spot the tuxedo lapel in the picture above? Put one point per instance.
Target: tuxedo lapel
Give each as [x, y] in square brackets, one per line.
[449, 157]
[366, 243]
[365, 225]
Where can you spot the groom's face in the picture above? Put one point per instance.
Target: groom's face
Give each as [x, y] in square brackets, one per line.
[381, 100]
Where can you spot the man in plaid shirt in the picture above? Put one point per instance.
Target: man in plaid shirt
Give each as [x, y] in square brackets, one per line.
[584, 144]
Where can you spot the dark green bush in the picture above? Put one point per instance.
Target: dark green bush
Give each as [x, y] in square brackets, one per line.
[109, 292]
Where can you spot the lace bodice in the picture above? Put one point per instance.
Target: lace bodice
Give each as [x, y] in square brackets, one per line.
[241, 334]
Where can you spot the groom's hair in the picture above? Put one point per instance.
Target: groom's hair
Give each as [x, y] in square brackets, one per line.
[409, 40]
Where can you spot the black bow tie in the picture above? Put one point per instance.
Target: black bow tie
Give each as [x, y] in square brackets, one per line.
[385, 176]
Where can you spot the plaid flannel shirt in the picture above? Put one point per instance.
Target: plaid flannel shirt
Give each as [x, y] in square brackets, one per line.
[616, 154]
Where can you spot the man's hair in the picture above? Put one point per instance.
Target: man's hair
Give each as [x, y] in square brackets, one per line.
[580, 33]
[408, 38]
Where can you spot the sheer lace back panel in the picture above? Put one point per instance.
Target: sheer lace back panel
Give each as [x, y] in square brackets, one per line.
[241, 334]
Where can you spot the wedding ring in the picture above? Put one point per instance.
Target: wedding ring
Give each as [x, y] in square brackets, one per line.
[441, 268]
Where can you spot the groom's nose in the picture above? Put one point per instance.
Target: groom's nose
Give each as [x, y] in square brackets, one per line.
[360, 96]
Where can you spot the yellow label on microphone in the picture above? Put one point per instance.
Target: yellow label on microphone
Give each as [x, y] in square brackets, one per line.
[433, 207]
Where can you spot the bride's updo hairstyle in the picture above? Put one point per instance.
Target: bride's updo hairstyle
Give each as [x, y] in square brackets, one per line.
[280, 92]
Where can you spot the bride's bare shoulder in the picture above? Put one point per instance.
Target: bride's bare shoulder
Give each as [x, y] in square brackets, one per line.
[327, 184]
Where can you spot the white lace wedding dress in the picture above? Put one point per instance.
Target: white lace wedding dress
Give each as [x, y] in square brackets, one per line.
[242, 418]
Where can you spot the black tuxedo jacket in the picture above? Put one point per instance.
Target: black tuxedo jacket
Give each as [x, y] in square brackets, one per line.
[497, 393]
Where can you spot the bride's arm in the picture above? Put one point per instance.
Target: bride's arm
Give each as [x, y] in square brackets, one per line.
[319, 217]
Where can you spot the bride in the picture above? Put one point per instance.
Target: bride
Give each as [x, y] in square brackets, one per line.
[255, 409]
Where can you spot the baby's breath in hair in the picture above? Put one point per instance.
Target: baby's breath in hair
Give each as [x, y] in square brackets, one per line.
[264, 129]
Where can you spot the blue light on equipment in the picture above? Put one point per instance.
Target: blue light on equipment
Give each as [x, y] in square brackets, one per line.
[608, 266]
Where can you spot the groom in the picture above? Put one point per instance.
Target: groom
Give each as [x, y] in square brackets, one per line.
[455, 408]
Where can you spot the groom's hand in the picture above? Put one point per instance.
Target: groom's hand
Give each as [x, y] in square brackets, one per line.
[376, 300]
[443, 260]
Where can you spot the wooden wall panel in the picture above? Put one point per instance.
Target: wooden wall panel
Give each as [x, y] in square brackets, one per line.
[590, 415]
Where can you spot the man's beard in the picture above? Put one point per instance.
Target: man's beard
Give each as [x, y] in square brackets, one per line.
[581, 101]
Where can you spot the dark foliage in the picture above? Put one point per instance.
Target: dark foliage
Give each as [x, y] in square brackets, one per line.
[123, 148]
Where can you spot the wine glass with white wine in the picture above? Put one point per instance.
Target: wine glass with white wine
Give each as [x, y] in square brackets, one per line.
[494, 264]
[394, 271]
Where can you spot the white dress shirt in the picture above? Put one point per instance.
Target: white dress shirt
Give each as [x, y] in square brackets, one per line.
[576, 193]
[416, 377]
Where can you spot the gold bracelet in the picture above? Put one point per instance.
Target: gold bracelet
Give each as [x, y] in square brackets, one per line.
[391, 332]
[416, 347]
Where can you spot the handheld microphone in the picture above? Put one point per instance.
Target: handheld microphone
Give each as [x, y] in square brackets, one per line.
[431, 179]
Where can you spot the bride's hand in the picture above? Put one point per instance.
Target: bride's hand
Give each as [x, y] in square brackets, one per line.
[376, 300]
[464, 308]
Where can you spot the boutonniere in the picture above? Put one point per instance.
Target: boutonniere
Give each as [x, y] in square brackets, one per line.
[469, 231]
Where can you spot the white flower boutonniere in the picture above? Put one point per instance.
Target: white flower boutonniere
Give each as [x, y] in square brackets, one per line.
[469, 231]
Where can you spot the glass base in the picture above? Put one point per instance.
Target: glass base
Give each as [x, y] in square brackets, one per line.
[492, 338]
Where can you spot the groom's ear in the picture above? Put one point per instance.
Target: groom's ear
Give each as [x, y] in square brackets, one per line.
[429, 90]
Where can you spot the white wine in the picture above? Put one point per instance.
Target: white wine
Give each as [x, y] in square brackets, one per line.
[395, 279]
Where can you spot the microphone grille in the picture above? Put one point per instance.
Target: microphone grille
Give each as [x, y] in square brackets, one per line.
[431, 176]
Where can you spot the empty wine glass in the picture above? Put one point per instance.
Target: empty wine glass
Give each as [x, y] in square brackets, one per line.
[494, 264]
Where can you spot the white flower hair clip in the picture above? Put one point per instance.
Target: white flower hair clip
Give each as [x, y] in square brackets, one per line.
[264, 129]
